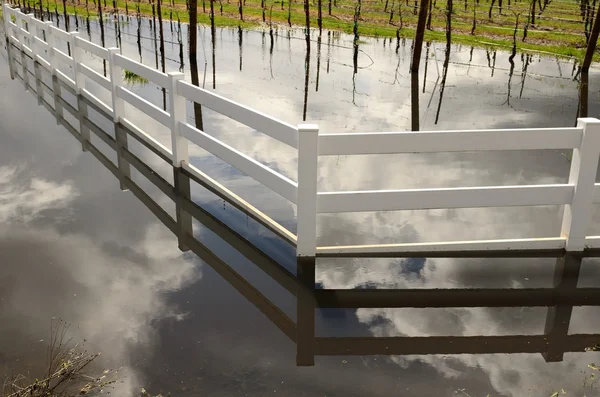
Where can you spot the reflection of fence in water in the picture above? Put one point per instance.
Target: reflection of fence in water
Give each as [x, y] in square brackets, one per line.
[37, 40]
[560, 300]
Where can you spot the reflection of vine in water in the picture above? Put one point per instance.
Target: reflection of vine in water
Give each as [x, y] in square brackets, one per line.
[101, 33]
[139, 28]
[273, 42]
[587, 61]
[427, 46]
[306, 76]
[355, 52]
[526, 61]
[240, 41]
[180, 39]
[511, 59]
[318, 62]
[154, 33]
[414, 66]
[213, 33]
[193, 48]
[492, 61]
[328, 48]
[117, 25]
[446, 58]
[162, 49]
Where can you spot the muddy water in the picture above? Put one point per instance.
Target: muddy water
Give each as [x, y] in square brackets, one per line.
[77, 248]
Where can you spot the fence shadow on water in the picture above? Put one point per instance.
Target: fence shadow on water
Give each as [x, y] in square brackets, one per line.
[560, 299]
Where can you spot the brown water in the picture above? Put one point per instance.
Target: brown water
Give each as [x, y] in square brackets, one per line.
[74, 246]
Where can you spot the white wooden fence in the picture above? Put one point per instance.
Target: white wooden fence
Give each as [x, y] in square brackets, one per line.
[38, 40]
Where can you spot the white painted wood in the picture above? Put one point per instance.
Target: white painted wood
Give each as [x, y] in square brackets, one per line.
[257, 170]
[92, 48]
[8, 33]
[35, 48]
[32, 33]
[50, 39]
[149, 108]
[554, 243]
[178, 113]
[153, 75]
[36, 22]
[448, 141]
[95, 76]
[597, 193]
[279, 130]
[44, 63]
[27, 33]
[96, 101]
[40, 44]
[63, 57]
[241, 204]
[584, 163]
[24, 31]
[21, 35]
[147, 138]
[66, 79]
[51, 43]
[7, 12]
[59, 34]
[308, 149]
[462, 197]
[116, 80]
[27, 50]
[592, 242]
[77, 58]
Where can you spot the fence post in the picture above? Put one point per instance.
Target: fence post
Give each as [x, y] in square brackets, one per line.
[583, 175]
[21, 35]
[118, 105]
[79, 79]
[178, 114]
[58, 110]
[7, 28]
[179, 147]
[33, 33]
[308, 156]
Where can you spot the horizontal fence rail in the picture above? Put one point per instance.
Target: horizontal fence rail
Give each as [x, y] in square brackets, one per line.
[268, 177]
[279, 130]
[449, 141]
[463, 197]
[37, 40]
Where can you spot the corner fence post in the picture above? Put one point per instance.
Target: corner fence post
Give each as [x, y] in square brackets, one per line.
[308, 152]
[584, 165]
[179, 146]
[79, 79]
[118, 105]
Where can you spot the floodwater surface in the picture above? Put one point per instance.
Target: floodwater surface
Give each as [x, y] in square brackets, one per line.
[73, 246]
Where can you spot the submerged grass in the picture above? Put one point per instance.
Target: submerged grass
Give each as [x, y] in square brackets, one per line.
[65, 372]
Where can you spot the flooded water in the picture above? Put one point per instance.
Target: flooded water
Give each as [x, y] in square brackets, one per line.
[217, 320]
